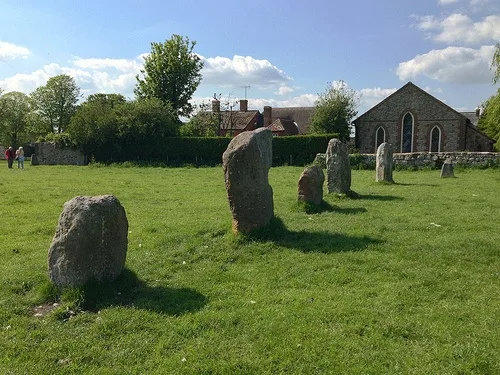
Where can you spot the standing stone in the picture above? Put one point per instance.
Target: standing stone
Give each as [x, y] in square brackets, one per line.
[246, 164]
[338, 167]
[384, 163]
[90, 241]
[447, 169]
[310, 188]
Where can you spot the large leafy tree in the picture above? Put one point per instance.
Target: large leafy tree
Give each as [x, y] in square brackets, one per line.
[335, 109]
[96, 120]
[489, 122]
[56, 101]
[15, 109]
[171, 73]
[109, 128]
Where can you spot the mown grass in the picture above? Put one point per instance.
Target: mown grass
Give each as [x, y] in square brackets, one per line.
[404, 280]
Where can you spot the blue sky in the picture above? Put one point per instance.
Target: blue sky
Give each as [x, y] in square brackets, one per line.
[286, 51]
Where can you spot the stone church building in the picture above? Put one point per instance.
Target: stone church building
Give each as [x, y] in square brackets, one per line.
[412, 120]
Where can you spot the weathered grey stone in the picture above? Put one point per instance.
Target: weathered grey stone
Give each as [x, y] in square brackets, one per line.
[338, 167]
[246, 164]
[447, 169]
[311, 185]
[90, 241]
[383, 168]
[320, 160]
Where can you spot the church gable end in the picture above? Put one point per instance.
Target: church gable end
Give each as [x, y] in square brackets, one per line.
[426, 112]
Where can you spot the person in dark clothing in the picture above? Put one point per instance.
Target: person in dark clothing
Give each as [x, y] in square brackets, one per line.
[10, 155]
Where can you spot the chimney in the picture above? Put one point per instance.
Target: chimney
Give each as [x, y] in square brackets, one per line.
[215, 105]
[243, 105]
[268, 115]
[478, 111]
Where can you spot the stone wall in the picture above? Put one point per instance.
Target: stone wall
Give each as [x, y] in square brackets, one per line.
[48, 153]
[424, 159]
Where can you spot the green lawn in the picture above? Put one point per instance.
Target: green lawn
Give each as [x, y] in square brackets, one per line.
[405, 280]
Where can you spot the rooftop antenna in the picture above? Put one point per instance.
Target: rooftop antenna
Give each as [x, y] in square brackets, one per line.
[246, 87]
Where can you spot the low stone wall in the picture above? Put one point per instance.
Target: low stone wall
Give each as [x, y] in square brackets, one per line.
[48, 153]
[424, 159]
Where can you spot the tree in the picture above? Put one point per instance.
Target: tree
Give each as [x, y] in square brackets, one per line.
[15, 108]
[489, 122]
[495, 64]
[109, 128]
[56, 101]
[96, 120]
[171, 73]
[335, 109]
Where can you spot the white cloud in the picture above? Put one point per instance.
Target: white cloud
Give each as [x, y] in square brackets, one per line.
[372, 96]
[122, 65]
[459, 28]
[452, 65]
[242, 70]
[9, 51]
[447, 2]
[118, 75]
[283, 90]
[25, 82]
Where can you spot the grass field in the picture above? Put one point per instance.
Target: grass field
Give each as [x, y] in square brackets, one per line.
[405, 280]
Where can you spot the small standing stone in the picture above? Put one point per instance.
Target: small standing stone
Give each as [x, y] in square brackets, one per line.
[310, 188]
[447, 169]
[338, 167]
[90, 241]
[246, 164]
[384, 163]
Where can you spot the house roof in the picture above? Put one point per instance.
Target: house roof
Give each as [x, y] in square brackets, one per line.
[286, 125]
[237, 120]
[300, 115]
[395, 93]
[472, 117]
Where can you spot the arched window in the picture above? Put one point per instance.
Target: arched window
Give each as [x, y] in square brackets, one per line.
[435, 145]
[407, 133]
[379, 137]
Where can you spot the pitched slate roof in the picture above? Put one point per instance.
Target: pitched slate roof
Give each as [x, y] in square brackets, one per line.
[282, 124]
[471, 116]
[300, 115]
[236, 120]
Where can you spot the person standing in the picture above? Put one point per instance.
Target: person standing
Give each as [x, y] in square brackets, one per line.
[10, 155]
[20, 158]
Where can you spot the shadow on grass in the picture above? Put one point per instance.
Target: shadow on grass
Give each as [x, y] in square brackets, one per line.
[320, 242]
[407, 184]
[383, 198]
[324, 206]
[128, 290]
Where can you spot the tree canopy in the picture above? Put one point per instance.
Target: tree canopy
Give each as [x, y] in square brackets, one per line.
[489, 122]
[15, 108]
[335, 109]
[106, 124]
[171, 73]
[56, 101]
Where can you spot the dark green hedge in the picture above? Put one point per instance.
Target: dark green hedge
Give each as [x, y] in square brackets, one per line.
[299, 149]
[294, 150]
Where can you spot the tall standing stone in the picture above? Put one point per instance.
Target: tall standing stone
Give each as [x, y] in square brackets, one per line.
[90, 241]
[246, 164]
[384, 163]
[338, 167]
[310, 187]
[447, 169]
